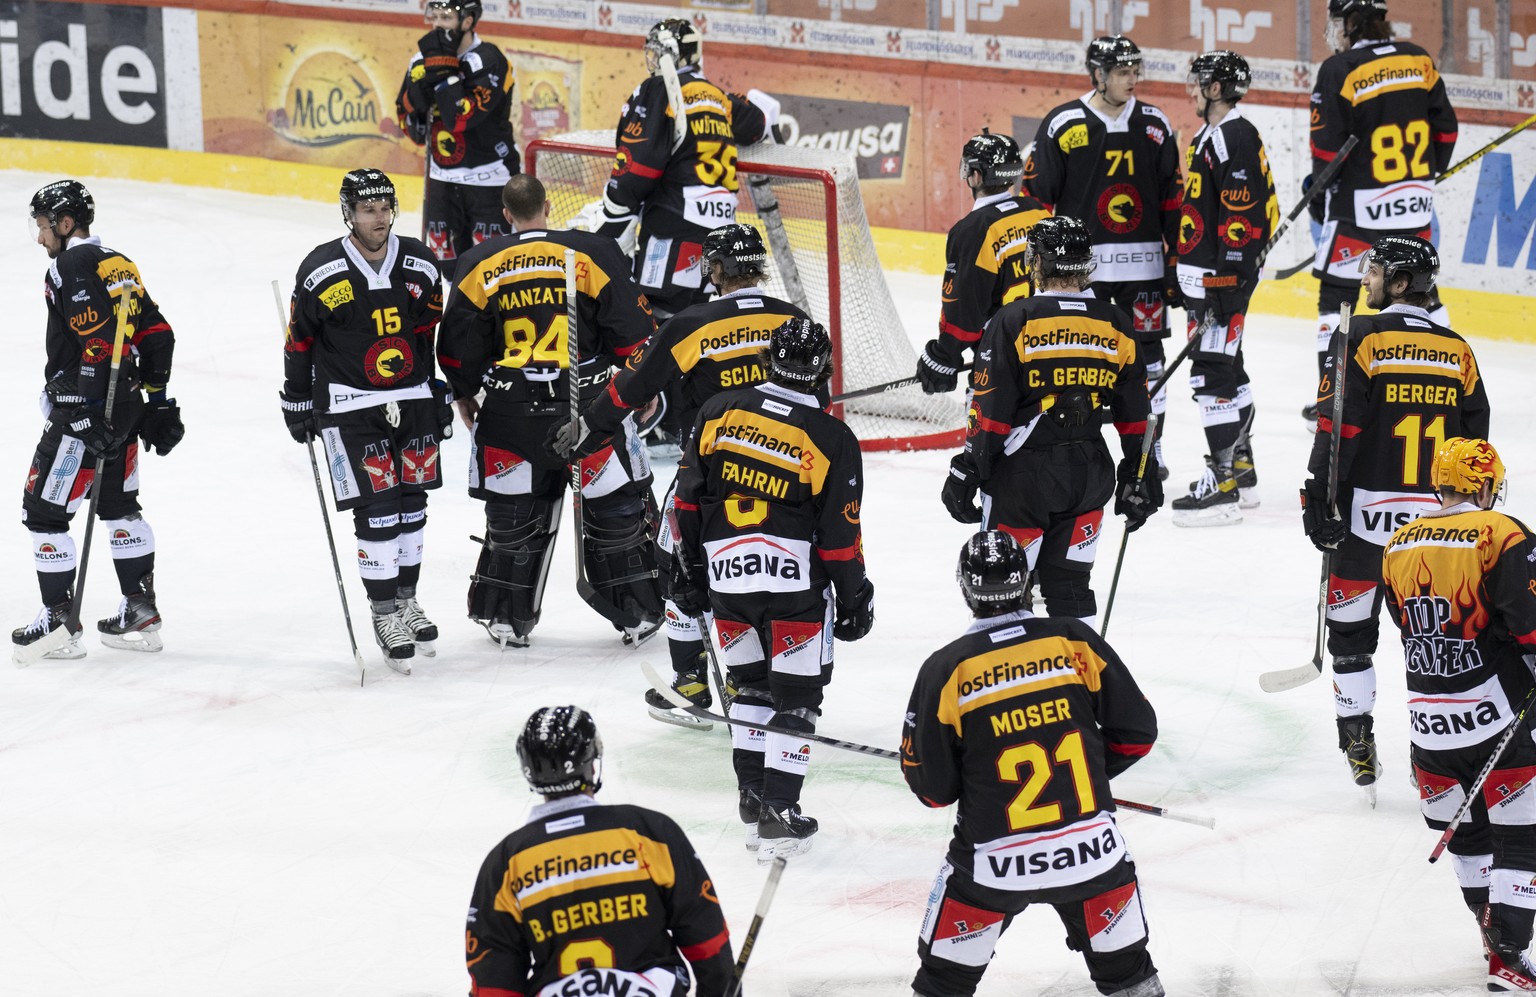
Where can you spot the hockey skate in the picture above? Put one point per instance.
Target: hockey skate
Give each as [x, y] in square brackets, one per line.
[749, 804]
[505, 635]
[1510, 970]
[693, 685]
[136, 627]
[1247, 477]
[394, 640]
[634, 636]
[1212, 501]
[1358, 742]
[46, 637]
[784, 833]
[423, 631]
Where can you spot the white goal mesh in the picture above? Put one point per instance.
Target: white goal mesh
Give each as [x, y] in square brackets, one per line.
[820, 219]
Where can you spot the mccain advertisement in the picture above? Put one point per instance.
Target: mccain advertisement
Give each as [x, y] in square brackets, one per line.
[82, 73]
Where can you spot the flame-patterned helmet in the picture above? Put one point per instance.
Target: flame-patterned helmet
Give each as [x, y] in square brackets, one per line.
[1465, 465]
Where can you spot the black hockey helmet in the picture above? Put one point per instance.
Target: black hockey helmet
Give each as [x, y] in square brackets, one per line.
[1108, 51]
[366, 184]
[464, 8]
[560, 751]
[1059, 247]
[675, 36]
[1224, 67]
[993, 573]
[800, 354]
[1370, 8]
[738, 249]
[1405, 256]
[65, 198]
[996, 157]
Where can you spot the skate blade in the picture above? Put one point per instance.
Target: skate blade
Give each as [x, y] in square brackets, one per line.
[1227, 514]
[134, 640]
[635, 636]
[56, 644]
[776, 848]
[427, 648]
[1248, 498]
[754, 840]
[679, 718]
[401, 665]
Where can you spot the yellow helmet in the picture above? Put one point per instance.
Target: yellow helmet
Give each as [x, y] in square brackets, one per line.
[1465, 465]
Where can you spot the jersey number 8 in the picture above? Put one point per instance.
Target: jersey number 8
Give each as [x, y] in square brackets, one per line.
[717, 165]
[525, 344]
[1398, 151]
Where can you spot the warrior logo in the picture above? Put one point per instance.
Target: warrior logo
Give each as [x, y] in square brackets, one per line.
[418, 462]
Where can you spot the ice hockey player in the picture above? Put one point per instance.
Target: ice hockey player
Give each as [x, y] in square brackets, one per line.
[678, 186]
[456, 99]
[358, 373]
[1112, 162]
[505, 333]
[1408, 385]
[89, 288]
[1228, 214]
[1034, 449]
[768, 496]
[1407, 131]
[1458, 585]
[704, 349]
[1065, 729]
[983, 256]
[588, 898]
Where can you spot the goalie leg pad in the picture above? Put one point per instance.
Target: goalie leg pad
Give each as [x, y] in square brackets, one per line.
[507, 588]
[621, 569]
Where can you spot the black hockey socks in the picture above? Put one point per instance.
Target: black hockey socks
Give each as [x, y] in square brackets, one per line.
[54, 556]
[133, 551]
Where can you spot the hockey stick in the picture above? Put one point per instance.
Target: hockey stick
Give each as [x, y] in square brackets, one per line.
[1290, 678]
[1482, 777]
[875, 389]
[864, 749]
[1479, 154]
[59, 637]
[668, 69]
[769, 888]
[584, 587]
[1148, 437]
[325, 517]
[1318, 186]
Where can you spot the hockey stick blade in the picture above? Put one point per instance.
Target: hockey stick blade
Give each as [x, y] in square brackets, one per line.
[1288, 678]
[864, 749]
[874, 389]
[26, 654]
[1291, 271]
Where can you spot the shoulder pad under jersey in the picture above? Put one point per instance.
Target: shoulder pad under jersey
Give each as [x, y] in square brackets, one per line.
[1062, 118]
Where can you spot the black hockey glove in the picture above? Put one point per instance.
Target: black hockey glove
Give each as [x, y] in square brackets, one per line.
[442, 395]
[1324, 529]
[162, 428]
[299, 414]
[439, 54]
[1137, 498]
[1226, 302]
[88, 424]
[63, 389]
[960, 487]
[1173, 294]
[1317, 206]
[938, 367]
[571, 441]
[856, 618]
[688, 591]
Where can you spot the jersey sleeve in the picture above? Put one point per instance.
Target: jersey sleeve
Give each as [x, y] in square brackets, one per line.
[481, 94]
[1443, 126]
[647, 371]
[967, 293]
[1126, 720]
[413, 105]
[622, 313]
[1512, 589]
[839, 537]
[1050, 168]
[692, 477]
[1245, 203]
[694, 917]
[1357, 409]
[930, 748]
[997, 393]
[1129, 406]
[1474, 401]
[1170, 188]
[748, 123]
[299, 342]
[644, 143]
[465, 343]
[1331, 117]
[495, 952]
[155, 344]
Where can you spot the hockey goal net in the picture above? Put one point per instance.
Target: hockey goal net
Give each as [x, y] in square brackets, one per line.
[823, 259]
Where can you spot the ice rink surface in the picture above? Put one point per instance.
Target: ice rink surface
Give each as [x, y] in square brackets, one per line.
[234, 815]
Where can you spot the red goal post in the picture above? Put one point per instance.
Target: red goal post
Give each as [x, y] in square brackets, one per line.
[808, 205]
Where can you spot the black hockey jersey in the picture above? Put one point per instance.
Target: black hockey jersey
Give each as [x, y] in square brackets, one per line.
[1390, 95]
[984, 263]
[593, 899]
[83, 287]
[705, 349]
[1229, 211]
[1119, 177]
[1023, 721]
[1045, 366]
[768, 494]
[1409, 386]
[692, 185]
[505, 324]
[1459, 585]
[354, 331]
[466, 122]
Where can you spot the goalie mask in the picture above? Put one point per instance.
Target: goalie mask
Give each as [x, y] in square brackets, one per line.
[676, 37]
[561, 752]
[993, 573]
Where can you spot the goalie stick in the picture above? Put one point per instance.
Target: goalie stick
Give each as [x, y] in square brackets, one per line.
[682, 703]
[750, 940]
[1289, 678]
